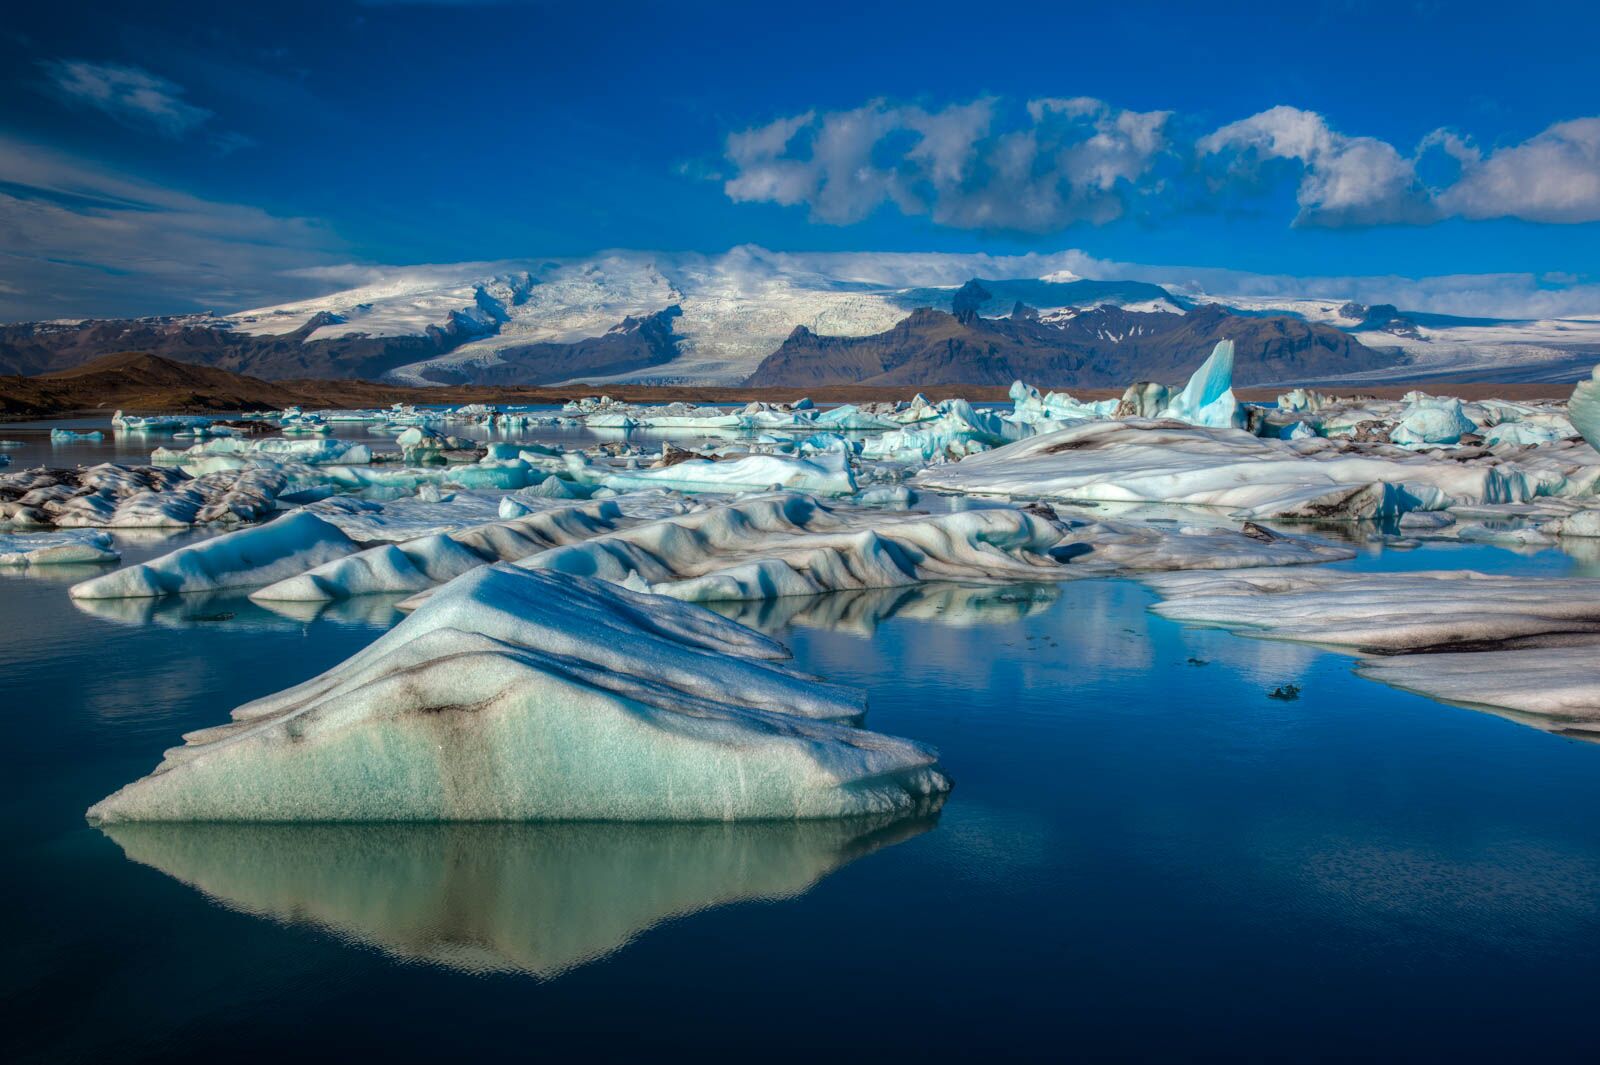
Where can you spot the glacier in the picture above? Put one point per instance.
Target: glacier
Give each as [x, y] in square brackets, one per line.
[526, 695]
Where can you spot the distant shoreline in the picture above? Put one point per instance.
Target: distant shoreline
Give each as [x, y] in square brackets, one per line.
[364, 394]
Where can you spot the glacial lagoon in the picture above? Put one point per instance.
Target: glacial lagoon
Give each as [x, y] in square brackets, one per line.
[1145, 856]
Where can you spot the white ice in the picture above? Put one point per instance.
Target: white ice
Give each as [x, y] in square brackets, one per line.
[258, 555]
[525, 695]
[56, 548]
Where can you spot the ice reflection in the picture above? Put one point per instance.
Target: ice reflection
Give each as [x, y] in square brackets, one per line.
[235, 610]
[486, 898]
[862, 611]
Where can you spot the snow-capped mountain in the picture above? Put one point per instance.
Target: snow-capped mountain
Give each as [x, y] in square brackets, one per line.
[696, 318]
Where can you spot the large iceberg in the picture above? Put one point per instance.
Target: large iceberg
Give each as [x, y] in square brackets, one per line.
[526, 695]
[790, 544]
[1583, 409]
[1140, 461]
[258, 555]
[413, 565]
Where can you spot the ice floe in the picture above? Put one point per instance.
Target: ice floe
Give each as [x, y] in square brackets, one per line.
[412, 565]
[518, 694]
[1140, 460]
[258, 555]
[1527, 645]
[56, 548]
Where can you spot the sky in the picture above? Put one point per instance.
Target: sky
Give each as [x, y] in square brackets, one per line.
[168, 157]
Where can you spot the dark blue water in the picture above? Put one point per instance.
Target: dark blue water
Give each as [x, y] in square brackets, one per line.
[1144, 859]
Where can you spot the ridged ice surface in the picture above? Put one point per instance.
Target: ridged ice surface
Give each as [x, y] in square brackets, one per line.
[524, 695]
[1391, 612]
[413, 565]
[1164, 461]
[791, 544]
[258, 555]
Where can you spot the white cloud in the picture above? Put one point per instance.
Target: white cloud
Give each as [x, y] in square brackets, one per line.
[1345, 180]
[129, 94]
[78, 239]
[1551, 177]
[1076, 160]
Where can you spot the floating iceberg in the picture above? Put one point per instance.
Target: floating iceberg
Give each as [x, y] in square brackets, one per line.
[1584, 409]
[63, 436]
[1208, 397]
[524, 695]
[318, 452]
[56, 548]
[413, 565]
[790, 544]
[824, 473]
[1432, 421]
[1522, 644]
[1139, 461]
[254, 556]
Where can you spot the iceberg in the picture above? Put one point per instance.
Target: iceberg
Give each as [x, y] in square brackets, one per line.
[1432, 421]
[1139, 461]
[791, 544]
[413, 565]
[56, 548]
[1584, 409]
[824, 473]
[1208, 397]
[237, 453]
[258, 555]
[1520, 644]
[519, 695]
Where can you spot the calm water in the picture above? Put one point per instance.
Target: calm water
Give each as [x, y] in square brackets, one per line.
[1144, 859]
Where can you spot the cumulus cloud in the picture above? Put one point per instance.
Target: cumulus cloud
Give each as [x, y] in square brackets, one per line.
[78, 239]
[1067, 160]
[969, 166]
[1552, 177]
[1345, 180]
[129, 94]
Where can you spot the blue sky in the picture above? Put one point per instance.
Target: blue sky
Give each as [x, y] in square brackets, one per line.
[165, 157]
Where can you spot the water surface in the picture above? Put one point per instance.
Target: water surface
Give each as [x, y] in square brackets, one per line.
[1144, 858]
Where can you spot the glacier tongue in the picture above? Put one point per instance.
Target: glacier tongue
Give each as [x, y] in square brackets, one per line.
[522, 695]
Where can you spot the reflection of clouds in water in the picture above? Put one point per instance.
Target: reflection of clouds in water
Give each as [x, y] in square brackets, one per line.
[482, 898]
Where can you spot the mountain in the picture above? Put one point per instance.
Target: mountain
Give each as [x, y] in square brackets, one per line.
[137, 380]
[690, 319]
[1103, 347]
